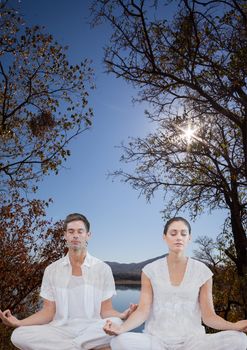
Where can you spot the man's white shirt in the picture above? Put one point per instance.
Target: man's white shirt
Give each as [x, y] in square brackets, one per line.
[77, 297]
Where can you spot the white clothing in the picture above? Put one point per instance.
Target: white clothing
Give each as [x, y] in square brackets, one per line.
[225, 340]
[74, 335]
[98, 286]
[175, 311]
[174, 322]
[76, 305]
[77, 323]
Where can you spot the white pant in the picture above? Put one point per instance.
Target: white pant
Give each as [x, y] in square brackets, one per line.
[225, 340]
[72, 336]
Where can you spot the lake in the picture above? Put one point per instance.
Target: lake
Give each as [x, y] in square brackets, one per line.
[126, 294]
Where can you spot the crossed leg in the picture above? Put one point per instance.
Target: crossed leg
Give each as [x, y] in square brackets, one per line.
[225, 340]
[49, 337]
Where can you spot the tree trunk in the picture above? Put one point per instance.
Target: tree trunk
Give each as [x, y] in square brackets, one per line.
[244, 135]
[240, 242]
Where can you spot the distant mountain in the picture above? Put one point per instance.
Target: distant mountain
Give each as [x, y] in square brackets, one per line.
[132, 271]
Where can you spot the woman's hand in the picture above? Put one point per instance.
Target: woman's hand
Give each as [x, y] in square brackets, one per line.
[240, 326]
[129, 311]
[8, 319]
[111, 328]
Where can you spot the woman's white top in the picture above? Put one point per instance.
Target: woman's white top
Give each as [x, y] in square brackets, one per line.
[175, 312]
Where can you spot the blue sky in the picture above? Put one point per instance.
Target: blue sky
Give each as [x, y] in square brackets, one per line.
[125, 227]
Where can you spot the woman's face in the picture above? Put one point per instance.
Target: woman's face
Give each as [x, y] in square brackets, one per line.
[177, 236]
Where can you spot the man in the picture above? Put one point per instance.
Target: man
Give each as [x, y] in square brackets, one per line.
[77, 291]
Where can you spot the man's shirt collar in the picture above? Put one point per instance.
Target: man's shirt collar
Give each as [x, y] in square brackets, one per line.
[89, 260]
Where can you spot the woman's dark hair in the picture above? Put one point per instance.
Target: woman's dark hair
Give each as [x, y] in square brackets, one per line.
[76, 217]
[176, 218]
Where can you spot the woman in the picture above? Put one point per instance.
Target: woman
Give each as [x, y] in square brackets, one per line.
[176, 295]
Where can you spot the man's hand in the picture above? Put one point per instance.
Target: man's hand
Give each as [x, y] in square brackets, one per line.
[111, 328]
[8, 319]
[125, 314]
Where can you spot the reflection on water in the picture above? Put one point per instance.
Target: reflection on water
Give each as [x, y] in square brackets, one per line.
[127, 294]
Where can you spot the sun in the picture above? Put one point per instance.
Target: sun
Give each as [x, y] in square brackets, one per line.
[189, 133]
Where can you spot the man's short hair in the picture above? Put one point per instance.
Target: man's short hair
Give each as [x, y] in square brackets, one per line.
[76, 217]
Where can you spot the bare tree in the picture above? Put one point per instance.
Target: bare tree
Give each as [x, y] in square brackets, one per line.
[194, 61]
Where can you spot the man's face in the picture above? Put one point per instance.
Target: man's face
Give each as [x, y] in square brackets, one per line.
[76, 235]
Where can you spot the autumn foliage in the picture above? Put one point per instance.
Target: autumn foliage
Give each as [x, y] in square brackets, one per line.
[43, 105]
[229, 296]
[43, 100]
[28, 244]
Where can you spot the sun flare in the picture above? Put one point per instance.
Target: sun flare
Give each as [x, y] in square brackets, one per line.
[189, 133]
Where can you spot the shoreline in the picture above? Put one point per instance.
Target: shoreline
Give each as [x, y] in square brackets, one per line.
[124, 282]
